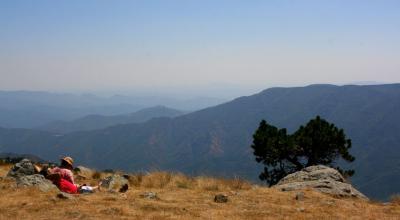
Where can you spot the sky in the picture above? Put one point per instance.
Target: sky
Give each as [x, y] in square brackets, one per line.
[189, 45]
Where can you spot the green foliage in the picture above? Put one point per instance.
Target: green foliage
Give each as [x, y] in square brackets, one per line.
[319, 142]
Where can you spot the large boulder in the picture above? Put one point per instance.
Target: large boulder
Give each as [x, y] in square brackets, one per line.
[84, 172]
[23, 168]
[114, 182]
[36, 180]
[24, 174]
[321, 178]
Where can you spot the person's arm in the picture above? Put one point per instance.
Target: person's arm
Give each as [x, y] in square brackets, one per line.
[69, 176]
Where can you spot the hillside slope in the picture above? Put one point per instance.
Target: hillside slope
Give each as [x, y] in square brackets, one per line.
[182, 197]
[216, 140]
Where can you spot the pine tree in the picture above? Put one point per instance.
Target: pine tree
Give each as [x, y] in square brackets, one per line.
[318, 142]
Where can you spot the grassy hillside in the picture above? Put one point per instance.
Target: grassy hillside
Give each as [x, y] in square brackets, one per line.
[182, 197]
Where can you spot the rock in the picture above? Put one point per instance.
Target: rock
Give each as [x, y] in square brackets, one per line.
[220, 198]
[113, 191]
[84, 171]
[37, 181]
[149, 195]
[65, 196]
[114, 182]
[301, 209]
[124, 188]
[311, 173]
[23, 168]
[321, 178]
[329, 202]
[300, 196]
[25, 174]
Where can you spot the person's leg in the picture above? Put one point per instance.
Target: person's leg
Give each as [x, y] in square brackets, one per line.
[68, 187]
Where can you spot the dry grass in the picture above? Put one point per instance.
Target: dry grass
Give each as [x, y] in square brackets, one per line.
[96, 175]
[395, 199]
[182, 197]
[4, 168]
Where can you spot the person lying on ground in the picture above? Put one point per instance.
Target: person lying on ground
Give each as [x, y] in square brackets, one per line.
[63, 177]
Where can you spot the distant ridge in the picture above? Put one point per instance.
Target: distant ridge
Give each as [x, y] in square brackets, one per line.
[216, 140]
[16, 157]
[32, 109]
[93, 122]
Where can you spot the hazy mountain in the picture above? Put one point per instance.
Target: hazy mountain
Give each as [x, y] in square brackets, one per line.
[187, 104]
[216, 140]
[27, 109]
[93, 122]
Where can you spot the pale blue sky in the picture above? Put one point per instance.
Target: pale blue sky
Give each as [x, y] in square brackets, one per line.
[109, 45]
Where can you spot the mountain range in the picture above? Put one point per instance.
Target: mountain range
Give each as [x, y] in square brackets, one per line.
[216, 140]
[95, 122]
[32, 109]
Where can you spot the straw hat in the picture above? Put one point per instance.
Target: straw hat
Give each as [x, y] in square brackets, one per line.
[69, 160]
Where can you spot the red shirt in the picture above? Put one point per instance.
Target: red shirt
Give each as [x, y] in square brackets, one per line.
[64, 173]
